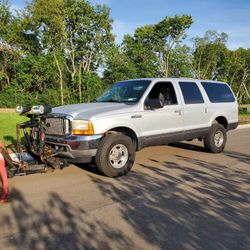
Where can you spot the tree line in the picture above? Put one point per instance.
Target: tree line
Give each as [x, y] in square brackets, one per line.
[63, 51]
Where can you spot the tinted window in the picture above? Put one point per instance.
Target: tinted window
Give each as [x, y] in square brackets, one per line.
[218, 92]
[191, 93]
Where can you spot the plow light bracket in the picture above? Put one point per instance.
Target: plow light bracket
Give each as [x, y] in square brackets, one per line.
[41, 109]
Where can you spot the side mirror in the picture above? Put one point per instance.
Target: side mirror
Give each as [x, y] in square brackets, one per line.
[154, 104]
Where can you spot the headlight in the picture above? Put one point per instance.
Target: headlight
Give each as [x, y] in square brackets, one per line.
[82, 127]
[22, 109]
[40, 110]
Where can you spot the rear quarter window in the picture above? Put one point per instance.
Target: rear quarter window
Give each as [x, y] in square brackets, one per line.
[218, 92]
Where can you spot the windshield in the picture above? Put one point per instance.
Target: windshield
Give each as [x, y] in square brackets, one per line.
[127, 91]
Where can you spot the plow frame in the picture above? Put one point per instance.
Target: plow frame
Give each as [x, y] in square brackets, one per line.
[31, 154]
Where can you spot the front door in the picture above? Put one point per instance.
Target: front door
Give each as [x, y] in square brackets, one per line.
[163, 125]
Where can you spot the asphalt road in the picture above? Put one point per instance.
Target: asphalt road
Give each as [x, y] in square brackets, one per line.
[176, 197]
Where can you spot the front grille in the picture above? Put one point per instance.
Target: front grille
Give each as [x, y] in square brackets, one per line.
[57, 126]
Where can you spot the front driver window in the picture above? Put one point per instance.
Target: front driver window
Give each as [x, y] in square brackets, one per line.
[164, 91]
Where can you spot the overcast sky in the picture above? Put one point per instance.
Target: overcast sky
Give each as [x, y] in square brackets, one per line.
[229, 16]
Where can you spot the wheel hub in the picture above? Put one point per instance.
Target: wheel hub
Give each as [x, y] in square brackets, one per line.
[118, 156]
[218, 138]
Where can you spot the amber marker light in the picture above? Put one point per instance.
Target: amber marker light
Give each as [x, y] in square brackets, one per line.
[82, 127]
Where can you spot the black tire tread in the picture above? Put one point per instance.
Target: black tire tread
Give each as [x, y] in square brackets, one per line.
[209, 139]
[101, 158]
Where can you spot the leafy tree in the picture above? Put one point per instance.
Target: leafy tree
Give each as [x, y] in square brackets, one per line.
[5, 18]
[212, 60]
[118, 66]
[139, 49]
[45, 18]
[151, 46]
[180, 62]
[168, 33]
[66, 47]
[78, 31]
[7, 53]
[234, 69]
[93, 87]
[7, 57]
[208, 52]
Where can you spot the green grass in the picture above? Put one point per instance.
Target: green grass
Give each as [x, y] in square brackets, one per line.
[244, 115]
[8, 123]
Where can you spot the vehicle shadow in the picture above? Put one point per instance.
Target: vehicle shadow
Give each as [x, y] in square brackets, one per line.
[56, 225]
[245, 158]
[188, 146]
[204, 206]
[187, 204]
[89, 167]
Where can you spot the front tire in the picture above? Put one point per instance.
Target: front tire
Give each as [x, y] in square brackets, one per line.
[115, 155]
[215, 141]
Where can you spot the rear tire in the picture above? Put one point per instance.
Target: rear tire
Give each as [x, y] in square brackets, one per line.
[115, 155]
[215, 141]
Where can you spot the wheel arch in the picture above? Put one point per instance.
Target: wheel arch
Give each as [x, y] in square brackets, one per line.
[128, 132]
[221, 120]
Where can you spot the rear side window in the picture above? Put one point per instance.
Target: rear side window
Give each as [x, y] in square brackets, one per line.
[191, 93]
[218, 92]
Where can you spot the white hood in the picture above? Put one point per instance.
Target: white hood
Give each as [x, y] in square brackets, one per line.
[93, 110]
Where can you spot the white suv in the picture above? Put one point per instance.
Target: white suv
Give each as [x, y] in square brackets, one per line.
[138, 113]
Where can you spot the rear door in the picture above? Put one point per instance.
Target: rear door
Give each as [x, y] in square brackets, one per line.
[195, 113]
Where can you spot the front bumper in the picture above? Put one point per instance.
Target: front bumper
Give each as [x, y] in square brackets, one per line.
[76, 149]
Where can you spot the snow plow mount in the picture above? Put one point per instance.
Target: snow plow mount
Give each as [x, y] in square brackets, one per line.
[30, 154]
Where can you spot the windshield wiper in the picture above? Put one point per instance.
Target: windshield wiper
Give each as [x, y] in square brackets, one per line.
[112, 100]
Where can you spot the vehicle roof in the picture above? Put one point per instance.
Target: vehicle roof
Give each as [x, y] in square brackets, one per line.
[174, 78]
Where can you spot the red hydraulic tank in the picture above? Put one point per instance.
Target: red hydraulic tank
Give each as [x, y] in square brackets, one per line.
[4, 178]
